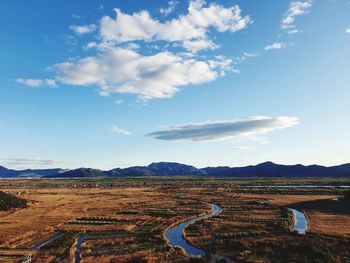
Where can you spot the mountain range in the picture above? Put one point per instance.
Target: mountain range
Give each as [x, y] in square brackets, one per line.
[267, 169]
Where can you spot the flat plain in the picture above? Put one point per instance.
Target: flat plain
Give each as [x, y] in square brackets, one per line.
[124, 220]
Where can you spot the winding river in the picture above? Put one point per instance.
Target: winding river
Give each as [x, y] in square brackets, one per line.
[80, 241]
[175, 238]
[300, 221]
[47, 241]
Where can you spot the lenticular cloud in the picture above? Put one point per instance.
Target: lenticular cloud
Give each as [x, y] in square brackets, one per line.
[224, 130]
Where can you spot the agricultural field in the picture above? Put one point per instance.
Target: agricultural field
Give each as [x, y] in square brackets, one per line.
[126, 220]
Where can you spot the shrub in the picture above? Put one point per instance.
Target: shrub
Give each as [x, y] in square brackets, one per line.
[8, 201]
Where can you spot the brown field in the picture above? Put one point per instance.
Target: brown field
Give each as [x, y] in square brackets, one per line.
[126, 219]
[321, 221]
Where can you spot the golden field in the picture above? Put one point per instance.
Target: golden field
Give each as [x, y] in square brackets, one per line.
[126, 220]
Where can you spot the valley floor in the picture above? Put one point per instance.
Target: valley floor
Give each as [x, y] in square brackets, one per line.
[124, 220]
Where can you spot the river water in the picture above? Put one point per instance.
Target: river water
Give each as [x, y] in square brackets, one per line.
[51, 239]
[300, 222]
[80, 241]
[175, 238]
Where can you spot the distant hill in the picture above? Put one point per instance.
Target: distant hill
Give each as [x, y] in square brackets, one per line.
[78, 173]
[10, 173]
[270, 169]
[267, 169]
[166, 168]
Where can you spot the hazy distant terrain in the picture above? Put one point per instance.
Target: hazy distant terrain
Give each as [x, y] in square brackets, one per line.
[267, 169]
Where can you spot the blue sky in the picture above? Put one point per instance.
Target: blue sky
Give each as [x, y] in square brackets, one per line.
[118, 83]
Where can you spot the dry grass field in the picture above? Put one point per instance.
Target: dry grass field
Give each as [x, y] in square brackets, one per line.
[321, 220]
[125, 221]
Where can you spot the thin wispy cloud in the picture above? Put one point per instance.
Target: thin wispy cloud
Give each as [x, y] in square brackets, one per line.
[224, 130]
[250, 55]
[170, 8]
[242, 148]
[75, 16]
[118, 102]
[348, 30]
[28, 162]
[35, 83]
[295, 9]
[293, 31]
[119, 130]
[83, 29]
[277, 45]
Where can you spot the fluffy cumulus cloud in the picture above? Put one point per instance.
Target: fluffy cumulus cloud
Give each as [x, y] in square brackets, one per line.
[193, 26]
[224, 130]
[119, 70]
[36, 82]
[295, 9]
[277, 45]
[84, 29]
[123, 58]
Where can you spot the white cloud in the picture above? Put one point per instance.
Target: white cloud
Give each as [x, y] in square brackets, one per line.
[348, 30]
[138, 54]
[242, 148]
[84, 29]
[293, 31]
[276, 45]
[295, 9]
[118, 102]
[75, 16]
[28, 161]
[249, 55]
[192, 26]
[37, 82]
[171, 7]
[224, 130]
[119, 130]
[119, 70]
[200, 44]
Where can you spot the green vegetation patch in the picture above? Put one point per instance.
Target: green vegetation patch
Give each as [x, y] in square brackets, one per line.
[9, 201]
[101, 221]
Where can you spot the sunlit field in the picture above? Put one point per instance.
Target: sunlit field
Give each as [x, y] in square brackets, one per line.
[125, 220]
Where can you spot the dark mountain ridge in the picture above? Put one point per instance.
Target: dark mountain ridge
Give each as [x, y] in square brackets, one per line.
[11, 173]
[267, 169]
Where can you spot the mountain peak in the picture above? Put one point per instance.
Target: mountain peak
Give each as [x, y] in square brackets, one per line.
[172, 168]
[268, 163]
[167, 164]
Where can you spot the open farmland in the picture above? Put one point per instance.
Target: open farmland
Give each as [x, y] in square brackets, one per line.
[124, 220]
